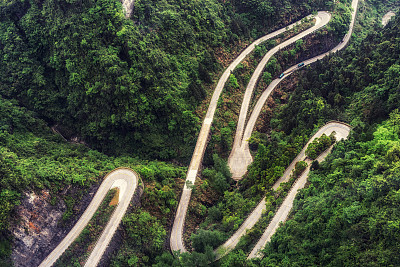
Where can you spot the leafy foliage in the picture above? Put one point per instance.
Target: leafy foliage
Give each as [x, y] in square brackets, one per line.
[299, 167]
[335, 220]
[206, 238]
[126, 85]
[349, 214]
[273, 156]
[319, 145]
[132, 86]
[32, 158]
[144, 231]
[355, 87]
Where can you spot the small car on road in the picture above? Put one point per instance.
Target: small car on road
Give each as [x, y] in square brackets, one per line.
[283, 74]
[300, 65]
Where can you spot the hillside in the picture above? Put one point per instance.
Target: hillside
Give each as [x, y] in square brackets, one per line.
[112, 81]
[348, 214]
[86, 89]
[349, 211]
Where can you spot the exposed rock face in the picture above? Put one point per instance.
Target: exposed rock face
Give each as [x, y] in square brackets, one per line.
[37, 229]
[387, 17]
[128, 6]
[39, 232]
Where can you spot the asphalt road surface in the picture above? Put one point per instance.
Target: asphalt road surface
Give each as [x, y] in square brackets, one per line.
[176, 241]
[342, 131]
[240, 157]
[126, 180]
[238, 161]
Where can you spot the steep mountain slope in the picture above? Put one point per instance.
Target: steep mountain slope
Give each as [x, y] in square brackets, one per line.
[348, 215]
[131, 86]
[125, 85]
[59, 179]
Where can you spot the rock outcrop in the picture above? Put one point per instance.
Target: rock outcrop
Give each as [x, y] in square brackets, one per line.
[128, 6]
[38, 228]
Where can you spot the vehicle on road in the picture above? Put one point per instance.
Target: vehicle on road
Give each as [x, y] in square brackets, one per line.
[283, 74]
[300, 65]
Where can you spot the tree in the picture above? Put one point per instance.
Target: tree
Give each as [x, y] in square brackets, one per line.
[226, 138]
[314, 165]
[299, 168]
[267, 77]
[235, 258]
[206, 238]
[144, 231]
[233, 83]
[319, 145]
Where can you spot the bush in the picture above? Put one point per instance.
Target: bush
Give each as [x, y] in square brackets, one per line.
[314, 165]
[299, 168]
[206, 238]
[319, 145]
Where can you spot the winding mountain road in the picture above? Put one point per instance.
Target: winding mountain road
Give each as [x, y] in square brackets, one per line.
[240, 157]
[342, 131]
[127, 180]
[176, 241]
[124, 179]
[238, 160]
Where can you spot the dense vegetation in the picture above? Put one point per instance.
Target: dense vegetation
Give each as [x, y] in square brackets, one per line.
[126, 85]
[350, 209]
[33, 157]
[359, 83]
[135, 87]
[118, 84]
[353, 194]
[319, 145]
[349, 214]
[355, 87]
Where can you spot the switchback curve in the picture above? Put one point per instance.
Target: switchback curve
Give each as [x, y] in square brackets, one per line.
[127, 180]
[240, 157]
[123, 178]
[176, 240]
[342, 131]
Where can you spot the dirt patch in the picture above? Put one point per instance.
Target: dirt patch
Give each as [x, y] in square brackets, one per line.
[202, 198]
[68, 135]
[115, 200]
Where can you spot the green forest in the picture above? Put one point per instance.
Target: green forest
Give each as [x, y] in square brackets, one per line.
[85, 90]
[125, 85]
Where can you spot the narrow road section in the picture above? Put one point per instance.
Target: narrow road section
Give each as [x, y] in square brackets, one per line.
[341, 132]
[240, 157]
[124, 179]
[238, 161]
[176, 241]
